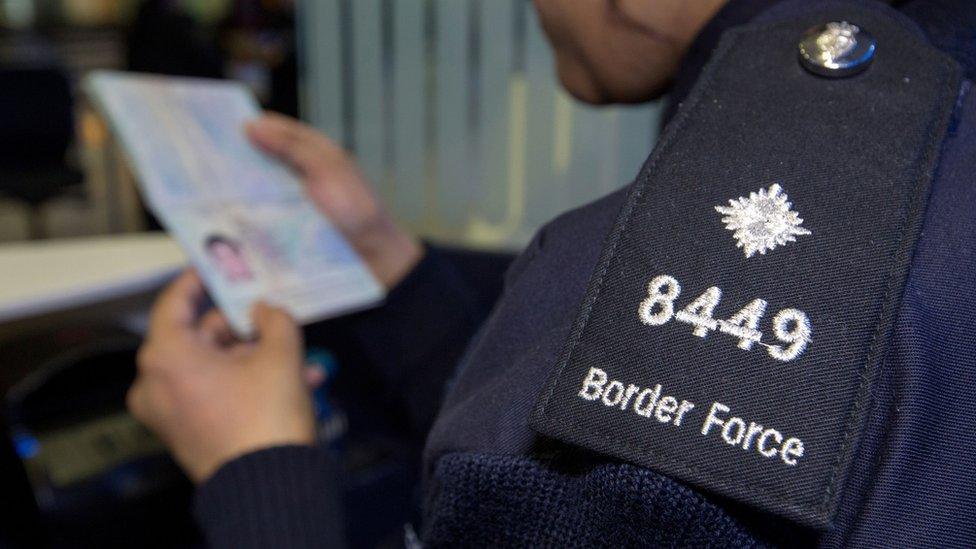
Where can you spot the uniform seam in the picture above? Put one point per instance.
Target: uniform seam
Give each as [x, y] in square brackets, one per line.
[670, 460]
[627, 215]
[911, 209]
[898, 271]
[687, 113]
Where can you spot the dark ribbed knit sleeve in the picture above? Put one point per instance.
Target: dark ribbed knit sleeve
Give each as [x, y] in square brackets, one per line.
[417, 337]
[287, 496]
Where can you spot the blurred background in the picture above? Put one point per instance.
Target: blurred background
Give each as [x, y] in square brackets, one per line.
[454, 112]
[451, 105]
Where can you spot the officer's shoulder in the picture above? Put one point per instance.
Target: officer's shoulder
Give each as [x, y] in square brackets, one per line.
[573, 238]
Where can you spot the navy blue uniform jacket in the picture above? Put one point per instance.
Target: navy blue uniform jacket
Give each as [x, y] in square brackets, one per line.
[469, 365]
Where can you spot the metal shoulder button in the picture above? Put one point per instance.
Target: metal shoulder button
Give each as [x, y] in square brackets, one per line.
[836, 49]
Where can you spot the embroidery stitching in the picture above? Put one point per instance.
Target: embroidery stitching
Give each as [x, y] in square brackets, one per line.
[791, 326]
[762, 221]
[565, 427]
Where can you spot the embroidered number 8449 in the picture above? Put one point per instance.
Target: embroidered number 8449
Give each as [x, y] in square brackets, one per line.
[790, 326]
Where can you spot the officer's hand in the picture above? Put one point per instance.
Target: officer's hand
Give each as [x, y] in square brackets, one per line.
[212, 398]
[339, 189]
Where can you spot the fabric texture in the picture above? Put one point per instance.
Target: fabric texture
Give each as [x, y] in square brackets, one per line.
[415, 340]
[554, 503]
[839, 281]
[914, 483]
[489, 480]
[279, 497]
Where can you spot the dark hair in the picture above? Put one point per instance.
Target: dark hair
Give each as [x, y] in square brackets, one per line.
[215, 239]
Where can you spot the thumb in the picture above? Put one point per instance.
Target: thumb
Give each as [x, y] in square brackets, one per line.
[277, 331]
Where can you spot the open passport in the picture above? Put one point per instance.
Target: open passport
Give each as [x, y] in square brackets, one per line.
[243, 218]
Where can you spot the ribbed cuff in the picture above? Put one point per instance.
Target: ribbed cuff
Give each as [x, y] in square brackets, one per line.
[286, 496]
[430, 306]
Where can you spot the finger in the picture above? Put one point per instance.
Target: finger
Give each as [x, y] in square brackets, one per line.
[275, 131]
[306, 150]
[176, 307]
[240, 351]
[277, 331]
[215, 329]
[146, 407]
[134, 399]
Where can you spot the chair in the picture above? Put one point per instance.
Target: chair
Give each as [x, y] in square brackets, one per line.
[36, 128]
